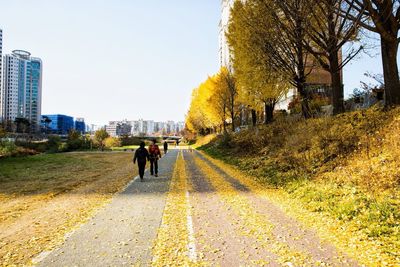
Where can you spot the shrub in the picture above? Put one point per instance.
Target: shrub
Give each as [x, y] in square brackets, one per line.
[7, 148]
[130, 140]
[111, 142]
[10, 149]
[53, 143]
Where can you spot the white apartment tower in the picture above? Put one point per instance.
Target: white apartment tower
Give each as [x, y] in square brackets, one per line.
[224, 55]
[1, 77]
[22, 88]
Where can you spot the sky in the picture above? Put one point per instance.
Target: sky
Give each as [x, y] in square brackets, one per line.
[125, 59]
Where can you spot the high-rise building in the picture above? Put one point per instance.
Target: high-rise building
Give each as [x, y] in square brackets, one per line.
[224, 55]
[1, 77]
[22, 88]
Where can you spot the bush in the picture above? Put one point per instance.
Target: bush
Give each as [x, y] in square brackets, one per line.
[111, 142]
[7, 148]
[10, 149]
[130, 140]
[53, 143]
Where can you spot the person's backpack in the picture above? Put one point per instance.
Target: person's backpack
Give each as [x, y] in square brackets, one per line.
[154, 150]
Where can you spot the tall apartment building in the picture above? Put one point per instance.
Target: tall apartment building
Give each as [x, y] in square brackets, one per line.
[22, 87]
[224, 55]
[1, 77]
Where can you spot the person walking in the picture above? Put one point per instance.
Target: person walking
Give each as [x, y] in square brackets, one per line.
[155, 154]
[165, 147]
[141, 156]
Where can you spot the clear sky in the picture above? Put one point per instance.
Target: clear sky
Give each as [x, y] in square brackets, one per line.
[124, 59]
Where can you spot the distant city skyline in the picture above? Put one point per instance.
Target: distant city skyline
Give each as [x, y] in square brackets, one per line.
[106, 61]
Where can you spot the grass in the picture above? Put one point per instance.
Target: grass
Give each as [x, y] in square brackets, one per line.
[124, 148]
[43, 197]
[203, 140]
[346, 169]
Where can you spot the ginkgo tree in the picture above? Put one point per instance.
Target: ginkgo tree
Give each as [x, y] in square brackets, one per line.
[258, 81]
[214, 104]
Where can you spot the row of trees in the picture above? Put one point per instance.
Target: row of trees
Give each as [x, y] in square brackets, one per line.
[276, 45]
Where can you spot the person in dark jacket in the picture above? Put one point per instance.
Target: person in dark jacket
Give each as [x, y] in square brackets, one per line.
[155, 154]
[141, 156]
[165, 147]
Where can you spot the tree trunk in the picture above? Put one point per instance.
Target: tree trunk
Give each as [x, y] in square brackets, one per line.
[269, 112]
[336, 84]
[301, 77]
[390, 72]
[241, 117]
[305, 107]
[233, 120]
[253, 117]
[224, 126]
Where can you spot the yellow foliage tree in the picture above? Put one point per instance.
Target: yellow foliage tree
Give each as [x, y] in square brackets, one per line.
[258, 81]
[212, 103]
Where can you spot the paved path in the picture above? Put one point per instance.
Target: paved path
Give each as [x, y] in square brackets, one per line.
[122, 233]
[228, 224]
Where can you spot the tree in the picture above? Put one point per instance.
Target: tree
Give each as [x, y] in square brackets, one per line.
[46, 121]
[100, 136]
[22, 124]
[218, 100]
[75, 140]
[329, 33]
[111, 142]
[258, 81]
[205, 112]
[231, 93]
[383, 18]
[286, 23]
[2, 132]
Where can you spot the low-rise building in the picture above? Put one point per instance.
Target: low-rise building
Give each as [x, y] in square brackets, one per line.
[57, 123]
[80, 125]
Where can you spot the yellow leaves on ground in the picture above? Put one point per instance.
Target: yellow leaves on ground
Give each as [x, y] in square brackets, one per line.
[345, 236]
[255, 225]
[41, 203]
[171, 246]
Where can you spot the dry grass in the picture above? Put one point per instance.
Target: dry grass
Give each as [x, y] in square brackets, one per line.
[203, 140]
[44, 197]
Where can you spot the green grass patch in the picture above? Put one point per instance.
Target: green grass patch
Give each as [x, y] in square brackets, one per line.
[125, 148]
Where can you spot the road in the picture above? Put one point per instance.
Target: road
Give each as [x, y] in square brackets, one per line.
[193, 214]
